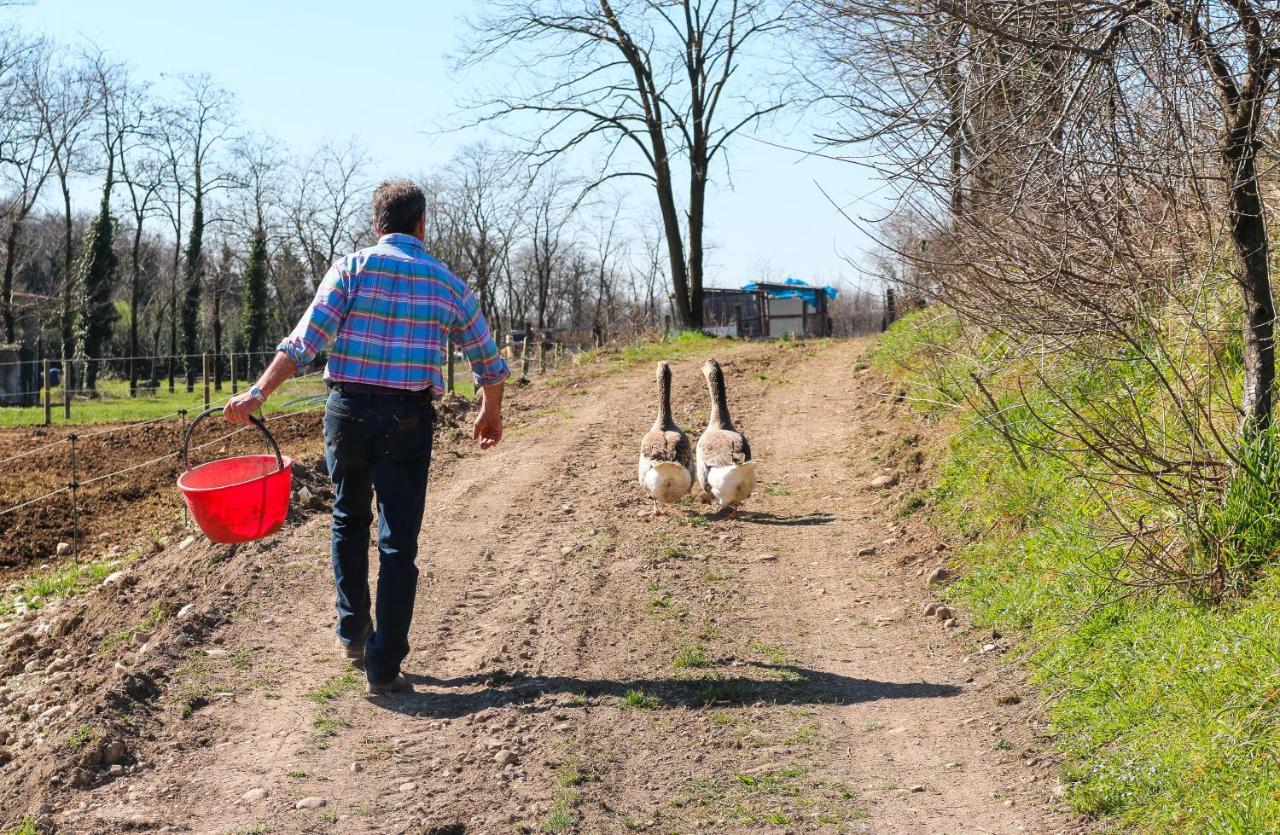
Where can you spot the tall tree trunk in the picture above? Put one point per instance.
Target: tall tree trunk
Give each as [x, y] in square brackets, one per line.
[697, 218]
[135, 281]
[675, 243]
[192, 287]
[68, 271]
[173, 310]
[10, 255]
[217, 340]
[1249, 235]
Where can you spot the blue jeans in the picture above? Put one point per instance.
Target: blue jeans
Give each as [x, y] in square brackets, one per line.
[377, 444]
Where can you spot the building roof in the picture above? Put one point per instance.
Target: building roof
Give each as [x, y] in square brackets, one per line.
[792, 288]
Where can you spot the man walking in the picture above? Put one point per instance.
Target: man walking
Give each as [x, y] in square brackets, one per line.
[386, 310]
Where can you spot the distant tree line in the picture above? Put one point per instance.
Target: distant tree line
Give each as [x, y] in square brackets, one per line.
[206, 236]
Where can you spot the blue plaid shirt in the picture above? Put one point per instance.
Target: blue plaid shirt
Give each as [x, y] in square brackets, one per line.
[387, 310]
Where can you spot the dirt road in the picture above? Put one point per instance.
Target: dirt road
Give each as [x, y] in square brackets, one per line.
[579, 668]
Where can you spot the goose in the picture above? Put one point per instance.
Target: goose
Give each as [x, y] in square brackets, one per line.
[666, 460]
[725, 468]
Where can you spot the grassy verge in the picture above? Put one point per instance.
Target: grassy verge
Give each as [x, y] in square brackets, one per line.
[1167, 710]
[114, 405]
[64, 581]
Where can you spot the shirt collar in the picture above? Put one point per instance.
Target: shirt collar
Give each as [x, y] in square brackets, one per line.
[403, 241]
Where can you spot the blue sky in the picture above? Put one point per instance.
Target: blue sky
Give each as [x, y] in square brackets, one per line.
[304, 71]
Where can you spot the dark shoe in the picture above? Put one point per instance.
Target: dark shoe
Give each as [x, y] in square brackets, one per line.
[396, 685]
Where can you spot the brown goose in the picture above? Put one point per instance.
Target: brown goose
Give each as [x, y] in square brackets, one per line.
[666, 460]
[725, 468]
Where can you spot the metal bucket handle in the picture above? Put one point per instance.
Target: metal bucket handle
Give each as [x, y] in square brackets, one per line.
[256, 421]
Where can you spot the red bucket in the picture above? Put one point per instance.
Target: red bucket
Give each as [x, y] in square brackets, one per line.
[237, 499]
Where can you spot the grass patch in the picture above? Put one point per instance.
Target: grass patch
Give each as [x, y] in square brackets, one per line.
[689, 656]
[772, 653]
[63, 581]
[155, 616]
[781, 797]
[677, 346]
[329, 725]
[83, 736]
[334, 688]
[639, 700]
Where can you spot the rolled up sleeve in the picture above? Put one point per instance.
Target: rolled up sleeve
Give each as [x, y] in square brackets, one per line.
[473, 337]
[316, 330]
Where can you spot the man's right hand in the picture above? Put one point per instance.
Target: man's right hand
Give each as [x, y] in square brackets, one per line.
[488, 428]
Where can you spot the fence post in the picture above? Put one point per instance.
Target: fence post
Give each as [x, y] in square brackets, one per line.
[171, 374]
[448, 347]
[66, 389]
[182, 433]
[524, 357]
[48, 395]
[204, 376]
[234, 387]
[75, 503]
[542, 357]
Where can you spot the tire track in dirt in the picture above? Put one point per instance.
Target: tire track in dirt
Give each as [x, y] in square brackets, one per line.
[679, 674]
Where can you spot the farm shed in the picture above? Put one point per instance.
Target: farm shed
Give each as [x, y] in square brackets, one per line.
[768, 310]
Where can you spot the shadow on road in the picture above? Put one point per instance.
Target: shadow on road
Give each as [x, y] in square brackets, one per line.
[789, 685]
[755, 517]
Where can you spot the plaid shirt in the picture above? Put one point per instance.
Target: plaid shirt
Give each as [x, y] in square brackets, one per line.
[387, 310]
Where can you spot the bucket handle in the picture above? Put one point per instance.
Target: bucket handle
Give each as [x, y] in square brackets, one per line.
[256, 421]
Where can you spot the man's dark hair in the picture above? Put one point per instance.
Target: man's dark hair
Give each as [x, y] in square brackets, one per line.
[398, 205]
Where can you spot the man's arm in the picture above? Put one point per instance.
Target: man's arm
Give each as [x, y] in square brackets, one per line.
[487, 366]
[241, 406]
[314, 333]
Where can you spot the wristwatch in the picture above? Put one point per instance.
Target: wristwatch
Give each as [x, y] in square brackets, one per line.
[256, 393]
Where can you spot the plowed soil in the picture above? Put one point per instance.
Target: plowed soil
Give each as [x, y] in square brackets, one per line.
[577, 666]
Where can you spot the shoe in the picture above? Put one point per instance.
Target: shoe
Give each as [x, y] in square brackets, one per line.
[394, 686]
[353, 651]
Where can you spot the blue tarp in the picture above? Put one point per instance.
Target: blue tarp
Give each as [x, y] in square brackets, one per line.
[803, 290]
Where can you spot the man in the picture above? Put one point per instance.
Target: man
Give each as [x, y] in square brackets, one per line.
[387, 311]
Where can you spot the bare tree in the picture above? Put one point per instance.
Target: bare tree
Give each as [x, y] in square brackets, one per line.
[652, 81]
[485, 198]
[65, 98]
[327, 208]
[25, 157]
[1077, 172]
[203, 118]
[142, 173]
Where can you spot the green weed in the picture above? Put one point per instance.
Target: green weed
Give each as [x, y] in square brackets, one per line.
[691, 656]
[334, 688]
[639, 700]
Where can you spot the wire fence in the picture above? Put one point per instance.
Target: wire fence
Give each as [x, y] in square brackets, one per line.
[116, 399]
[74, 486]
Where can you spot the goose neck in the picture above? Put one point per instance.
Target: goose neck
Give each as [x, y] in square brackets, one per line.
[719, 400]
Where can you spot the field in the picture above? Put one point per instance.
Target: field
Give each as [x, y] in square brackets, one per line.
[577, 666]
[114, 405]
